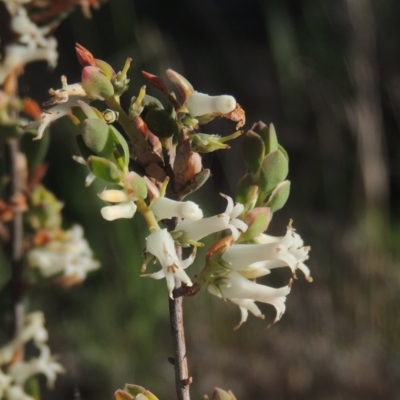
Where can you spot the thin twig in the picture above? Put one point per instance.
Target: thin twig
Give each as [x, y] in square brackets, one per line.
[182, 379]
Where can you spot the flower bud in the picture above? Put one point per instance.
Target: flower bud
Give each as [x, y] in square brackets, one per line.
[113, 196]
[96, 84]
[122, 210]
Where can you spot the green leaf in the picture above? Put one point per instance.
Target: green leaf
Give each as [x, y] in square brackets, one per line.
[88, 111]
[271, 141]
[121, 146]
[274, 170]
[268, 136]
[284, 152]
[104, 169]
[97, 137]
[83, 149]
[279, 196]
[247, 191]
[253, 151]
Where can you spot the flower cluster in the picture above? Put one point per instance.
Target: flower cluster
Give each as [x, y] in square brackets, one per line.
[15, 371]
[243, 263]
[63, 256]
[165, 142]
[33, 43]
[232, 268]
[31, 34]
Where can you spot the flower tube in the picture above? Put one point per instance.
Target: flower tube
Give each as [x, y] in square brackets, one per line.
[164, 208]
[196, 230]
[244, 293]
[200, 104]
[273, 252]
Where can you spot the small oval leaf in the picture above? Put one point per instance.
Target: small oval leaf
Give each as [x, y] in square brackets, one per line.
[279, 196]
[97, 137]
[274, 170]
[247, 191]
[253, 151]
[104, 169]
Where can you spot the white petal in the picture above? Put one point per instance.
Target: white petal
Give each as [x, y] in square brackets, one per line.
[239, 224]
[229, 207]
[89, 179]
[157, 275]
[242, 288]
[246, 305]
[237, 210]
[161, 244]
[235, 232]
[255, 271]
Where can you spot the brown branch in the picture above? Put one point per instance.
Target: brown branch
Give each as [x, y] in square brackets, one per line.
[182, 379]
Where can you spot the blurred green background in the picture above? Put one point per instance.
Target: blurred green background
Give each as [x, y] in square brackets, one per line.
[327, 74]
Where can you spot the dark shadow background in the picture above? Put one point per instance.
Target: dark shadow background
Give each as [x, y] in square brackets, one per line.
[327, 74]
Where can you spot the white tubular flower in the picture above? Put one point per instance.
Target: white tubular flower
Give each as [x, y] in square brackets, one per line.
[196, 230]
[44, 364]
[200, 104]
[274, 252]
[161, 244]
[68, 257]
[244, 293]
[164, 208]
